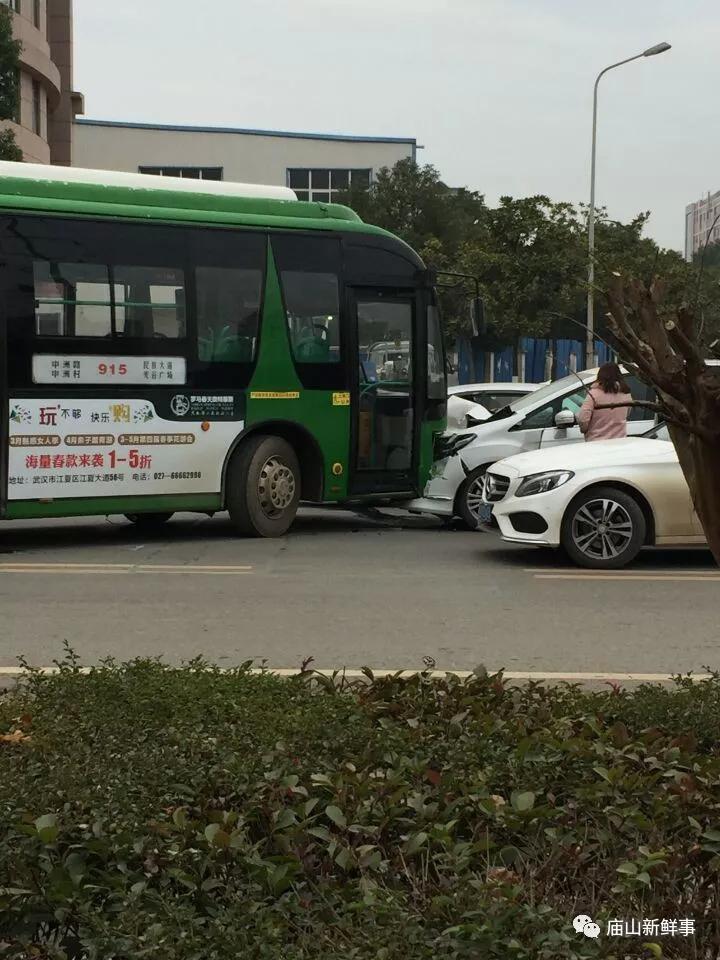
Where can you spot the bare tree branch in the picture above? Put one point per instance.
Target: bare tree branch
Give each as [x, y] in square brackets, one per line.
[640, 354]
[663, 411]
[666, 353]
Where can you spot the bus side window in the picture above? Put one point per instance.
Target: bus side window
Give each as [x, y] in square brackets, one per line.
[152, 302]
[228, 313]
[72, 299]
[309, 271]
[313, 312]
[99, 300]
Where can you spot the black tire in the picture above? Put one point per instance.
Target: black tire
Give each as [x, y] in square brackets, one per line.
[263, 487]
[618, 523]
[148, 522]
[467, 497]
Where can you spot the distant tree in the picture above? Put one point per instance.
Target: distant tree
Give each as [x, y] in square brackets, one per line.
[529, 260]
[9, 92]
[9, 150]
[530, 254]
[413, 202]
[708, 255]
[706, 264]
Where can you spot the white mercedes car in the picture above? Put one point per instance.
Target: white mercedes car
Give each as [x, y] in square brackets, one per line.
[602, 502]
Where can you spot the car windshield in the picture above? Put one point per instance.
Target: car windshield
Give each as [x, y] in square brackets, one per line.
[545, 393]
[495, 401]
[538, 397]
[659, 432]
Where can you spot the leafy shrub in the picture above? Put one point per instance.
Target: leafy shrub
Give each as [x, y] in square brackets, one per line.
[192, 814]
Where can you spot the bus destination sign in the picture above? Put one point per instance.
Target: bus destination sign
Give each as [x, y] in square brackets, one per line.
[56, 368]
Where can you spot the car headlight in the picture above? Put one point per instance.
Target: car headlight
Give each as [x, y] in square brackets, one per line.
[543, 482]
[460, 440]
[448, 444]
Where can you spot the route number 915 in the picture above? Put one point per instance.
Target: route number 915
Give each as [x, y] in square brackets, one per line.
[111, 369]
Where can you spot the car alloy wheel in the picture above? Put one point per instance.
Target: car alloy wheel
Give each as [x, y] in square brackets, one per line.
[602, 530]
[469, 498]
[474, 496]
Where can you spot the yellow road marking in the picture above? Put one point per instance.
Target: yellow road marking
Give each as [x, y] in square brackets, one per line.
[631, 571]
[643, 577]
[119, 568]
[122, 573]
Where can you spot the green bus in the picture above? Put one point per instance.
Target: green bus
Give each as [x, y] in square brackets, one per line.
[171, 345]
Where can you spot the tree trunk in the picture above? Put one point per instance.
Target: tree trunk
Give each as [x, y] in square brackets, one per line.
[700, 463]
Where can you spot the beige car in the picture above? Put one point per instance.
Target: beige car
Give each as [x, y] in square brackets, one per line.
[601, 502]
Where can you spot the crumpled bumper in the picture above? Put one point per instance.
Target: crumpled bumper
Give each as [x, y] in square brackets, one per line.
[440, 491]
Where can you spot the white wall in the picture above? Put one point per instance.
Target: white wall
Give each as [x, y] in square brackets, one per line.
[248, 158]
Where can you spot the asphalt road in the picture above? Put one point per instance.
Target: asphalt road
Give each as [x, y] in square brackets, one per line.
[349, 592]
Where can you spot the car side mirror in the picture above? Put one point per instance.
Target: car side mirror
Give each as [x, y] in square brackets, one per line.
[564, 419]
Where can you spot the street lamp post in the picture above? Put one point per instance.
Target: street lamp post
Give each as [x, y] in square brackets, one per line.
[590, 344]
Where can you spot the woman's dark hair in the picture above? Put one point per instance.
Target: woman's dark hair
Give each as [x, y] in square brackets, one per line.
[611, 379]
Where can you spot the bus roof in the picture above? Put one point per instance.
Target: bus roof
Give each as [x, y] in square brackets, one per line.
[141, 181]
[76, 191]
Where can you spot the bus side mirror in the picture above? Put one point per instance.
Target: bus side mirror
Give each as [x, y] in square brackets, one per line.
[477, 316]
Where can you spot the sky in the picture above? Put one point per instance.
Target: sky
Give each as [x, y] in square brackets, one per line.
[498, 92]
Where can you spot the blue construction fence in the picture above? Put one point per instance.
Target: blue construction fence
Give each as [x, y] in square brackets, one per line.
[545, 359]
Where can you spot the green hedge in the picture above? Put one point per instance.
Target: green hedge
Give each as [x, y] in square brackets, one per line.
[197, 815]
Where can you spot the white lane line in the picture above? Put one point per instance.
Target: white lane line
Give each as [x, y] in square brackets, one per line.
[353, 674]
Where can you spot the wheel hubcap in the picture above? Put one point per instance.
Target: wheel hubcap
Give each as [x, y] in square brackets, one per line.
[276, 487]
[474, 495]
[602, 529]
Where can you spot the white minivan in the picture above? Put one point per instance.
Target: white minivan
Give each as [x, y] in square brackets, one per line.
[541, 419]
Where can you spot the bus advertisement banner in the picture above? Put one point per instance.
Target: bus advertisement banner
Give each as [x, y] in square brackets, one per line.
[72, 448]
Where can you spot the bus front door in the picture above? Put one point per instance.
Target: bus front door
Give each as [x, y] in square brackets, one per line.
[383, 399]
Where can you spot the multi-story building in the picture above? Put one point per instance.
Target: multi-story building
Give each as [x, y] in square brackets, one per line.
[317, 166]
[48, 105]
[702, 223]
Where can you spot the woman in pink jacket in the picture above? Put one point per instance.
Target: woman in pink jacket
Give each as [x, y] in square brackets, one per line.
[609, 423]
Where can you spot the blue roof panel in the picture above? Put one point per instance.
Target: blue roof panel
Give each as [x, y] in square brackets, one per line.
[410, 141]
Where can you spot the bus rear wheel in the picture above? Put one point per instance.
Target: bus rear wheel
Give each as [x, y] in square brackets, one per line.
[263, 487]
[148, 522]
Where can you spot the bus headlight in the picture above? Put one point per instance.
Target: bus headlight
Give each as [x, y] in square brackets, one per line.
[543, 482]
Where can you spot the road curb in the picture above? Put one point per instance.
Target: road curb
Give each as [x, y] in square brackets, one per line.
[10, 675]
